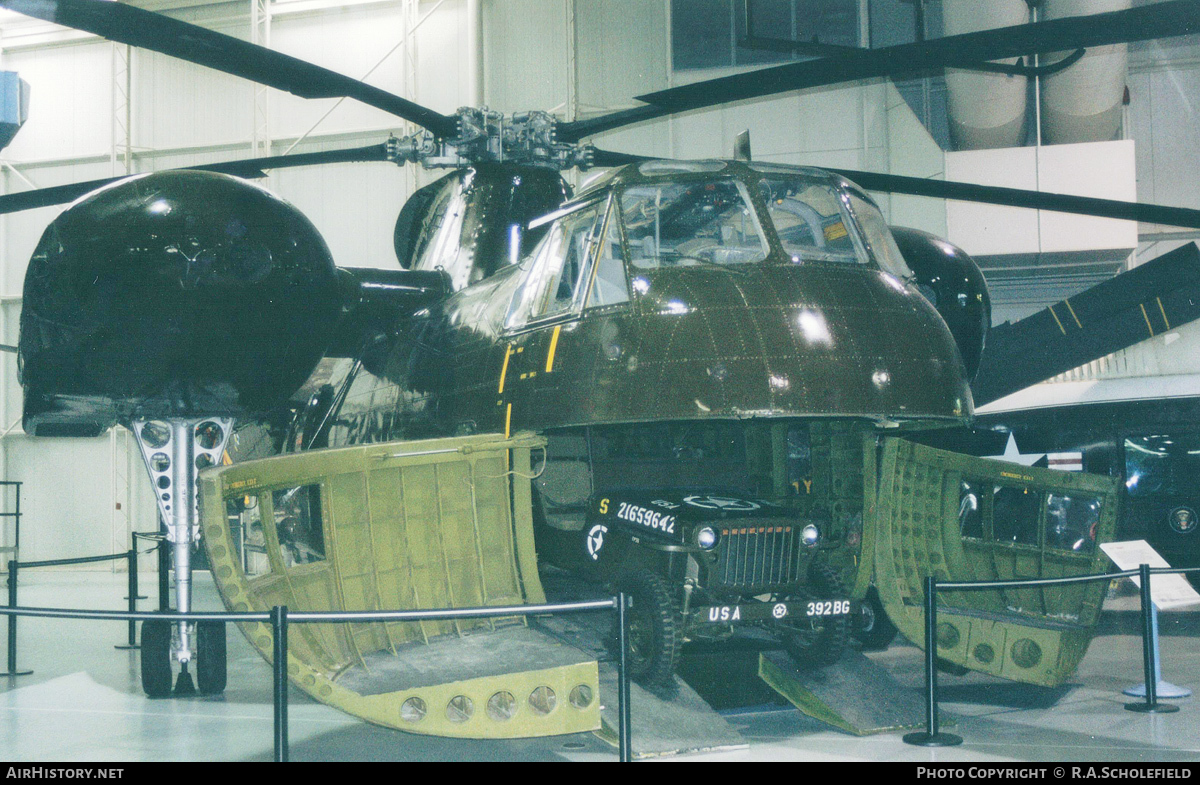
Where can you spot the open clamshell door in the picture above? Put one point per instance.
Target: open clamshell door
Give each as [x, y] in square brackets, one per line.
[440, 523]
[961, 518]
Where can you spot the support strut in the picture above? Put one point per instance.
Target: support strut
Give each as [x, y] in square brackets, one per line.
[174, 451]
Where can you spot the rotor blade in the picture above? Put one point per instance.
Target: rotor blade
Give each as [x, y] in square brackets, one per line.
[128, 25]
[1151, 299]
[609, 158]
[248, 168]
[1016, 197]
[1160, 20]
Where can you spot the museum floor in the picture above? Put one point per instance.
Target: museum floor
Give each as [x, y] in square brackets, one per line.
[83, 703]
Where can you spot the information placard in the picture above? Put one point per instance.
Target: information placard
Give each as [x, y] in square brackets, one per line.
[1168, 592]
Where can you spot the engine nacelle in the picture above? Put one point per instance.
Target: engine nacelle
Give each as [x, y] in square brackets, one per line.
[952, 281]
[175, 294]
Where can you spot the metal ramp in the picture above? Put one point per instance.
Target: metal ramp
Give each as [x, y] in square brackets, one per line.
[401, 526]
[670, 720]
[854, 694]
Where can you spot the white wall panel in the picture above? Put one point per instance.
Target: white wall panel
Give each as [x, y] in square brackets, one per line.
[176, 104]
[443, 62]
[912, 152]
[10, 388]
[351, 42]
[621, 51]
[525, 51]
[70, 101]
[66, 498]
[354, 206]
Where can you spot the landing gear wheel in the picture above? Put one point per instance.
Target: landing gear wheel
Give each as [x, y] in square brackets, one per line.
[819, 641]
[652, 629]
[210, 657]
[872, 627]
[156, 658]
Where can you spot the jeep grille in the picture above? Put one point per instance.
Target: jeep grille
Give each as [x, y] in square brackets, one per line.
[757, 557]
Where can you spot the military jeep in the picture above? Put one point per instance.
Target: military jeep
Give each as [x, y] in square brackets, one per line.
[702, 564]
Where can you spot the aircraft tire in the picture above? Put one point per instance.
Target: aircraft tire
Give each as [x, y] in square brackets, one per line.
[210, 657]
[653, 634]
[156, 658]
[872, 628]
[819, 642]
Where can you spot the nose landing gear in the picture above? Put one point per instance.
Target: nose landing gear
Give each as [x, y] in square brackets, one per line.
[174, 452]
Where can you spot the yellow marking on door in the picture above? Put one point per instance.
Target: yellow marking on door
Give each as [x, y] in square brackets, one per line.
[520, 349]
[508, 421]
[1147, 318]
[1163, 311]
[553, 348]
[524, 376]
[1056, 321]
[1073, 316]
[508, 352]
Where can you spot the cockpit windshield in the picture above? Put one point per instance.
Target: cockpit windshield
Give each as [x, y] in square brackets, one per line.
[691, 223]
[811, 220]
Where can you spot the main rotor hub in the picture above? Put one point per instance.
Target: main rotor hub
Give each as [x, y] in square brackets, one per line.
[486, 136]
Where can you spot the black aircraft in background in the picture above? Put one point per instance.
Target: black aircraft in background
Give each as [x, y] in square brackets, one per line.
[711, 294]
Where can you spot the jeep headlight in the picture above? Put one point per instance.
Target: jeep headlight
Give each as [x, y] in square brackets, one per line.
[810, 535]
[706, 538]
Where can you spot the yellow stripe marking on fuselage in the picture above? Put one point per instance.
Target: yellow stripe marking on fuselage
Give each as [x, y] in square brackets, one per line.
[507, 421]
[1073, 316]
[1147, 318]
[508, 352]
[1056, 321]
[1163, 311]
[553, 348]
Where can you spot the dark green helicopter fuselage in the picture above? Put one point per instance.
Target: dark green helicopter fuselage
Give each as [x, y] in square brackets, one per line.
[773, 338]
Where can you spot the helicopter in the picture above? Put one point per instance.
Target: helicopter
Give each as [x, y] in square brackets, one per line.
[705, 319]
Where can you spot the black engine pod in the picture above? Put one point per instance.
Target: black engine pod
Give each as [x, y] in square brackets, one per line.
[179, 293]
[952, 281]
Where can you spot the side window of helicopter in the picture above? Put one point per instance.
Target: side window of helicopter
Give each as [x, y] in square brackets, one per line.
[878, 236]
[970, 509]
[1015, 514]
[559, 267]
[811, 220]
[1071, 522]
[249, 539]
[298, 524]
[670, 224]
[609, 284]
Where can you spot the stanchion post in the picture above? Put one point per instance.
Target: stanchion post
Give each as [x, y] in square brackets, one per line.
[624, 713]
[164, 575]
[279, 666]
[1149, 653]
[12, 619]
[13, 566]
[132, 579]
[931, 736]
[133, 584]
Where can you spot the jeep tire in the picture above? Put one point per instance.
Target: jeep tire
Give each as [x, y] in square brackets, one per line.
[817, 642]
[653, 629]
[872, 627]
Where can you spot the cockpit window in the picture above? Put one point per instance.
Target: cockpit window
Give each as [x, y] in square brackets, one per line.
[679, 224]
[811, 220]
[879, 237]
[560, 267]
